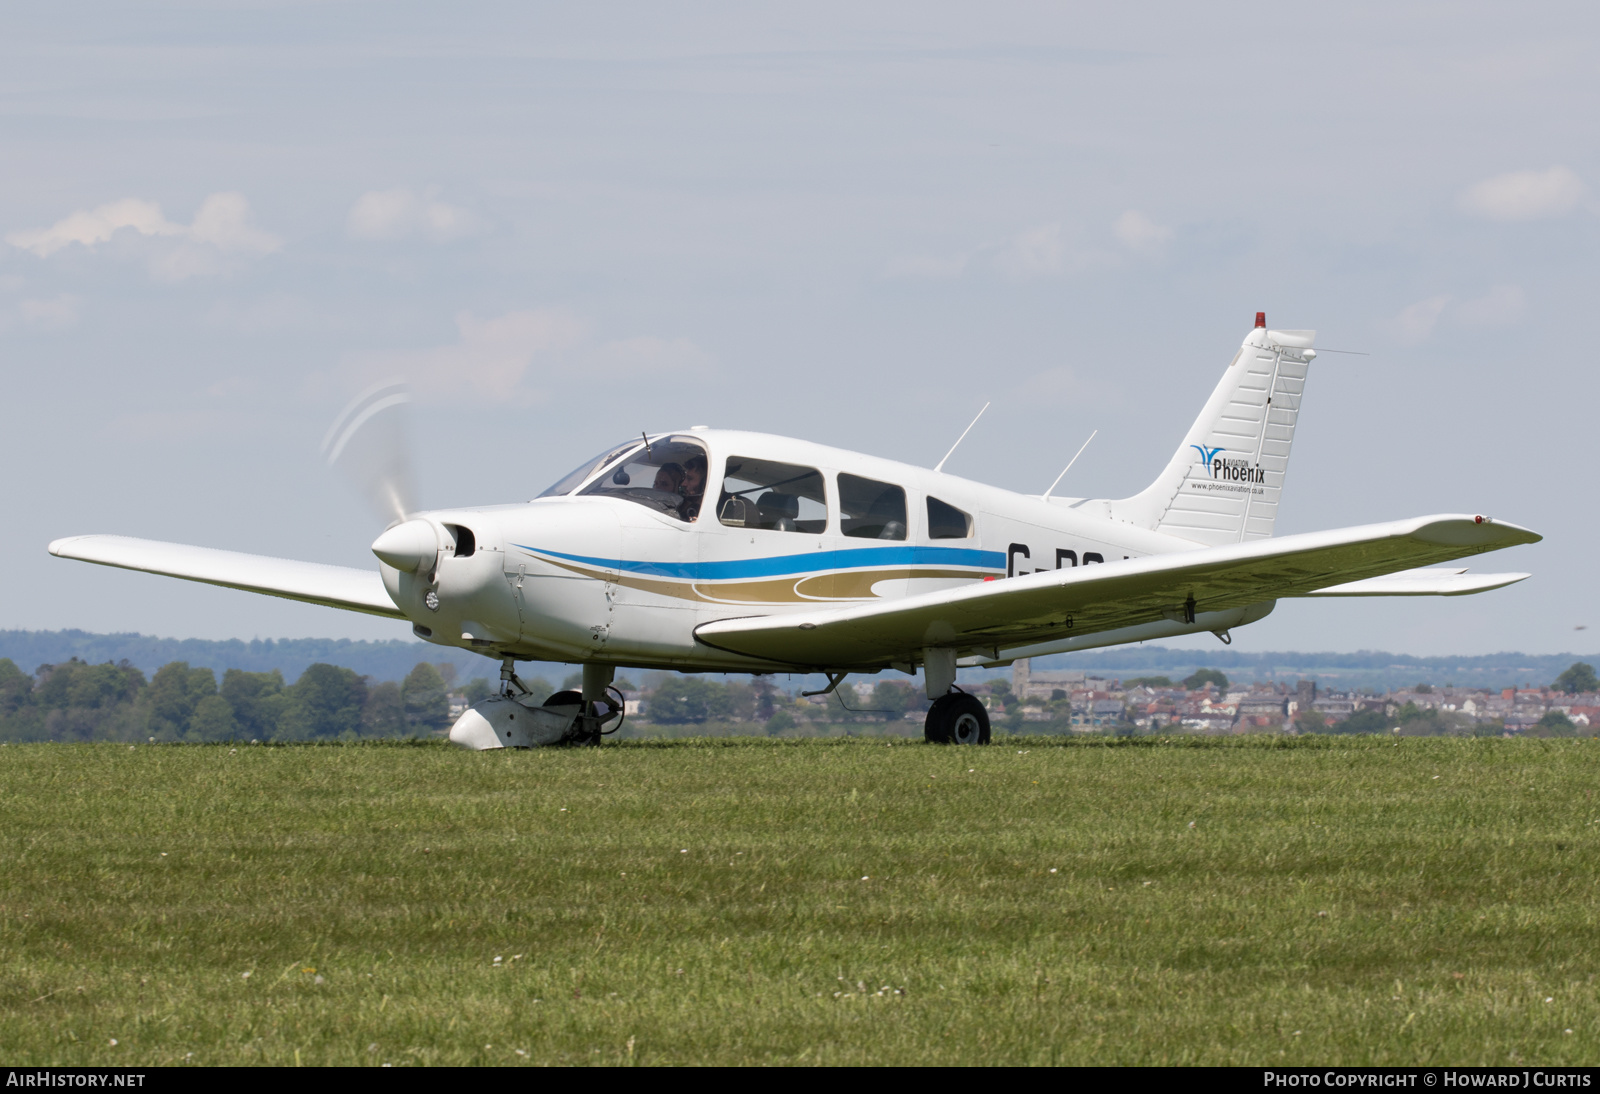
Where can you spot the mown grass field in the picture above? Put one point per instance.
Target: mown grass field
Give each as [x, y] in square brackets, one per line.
[1251, 900]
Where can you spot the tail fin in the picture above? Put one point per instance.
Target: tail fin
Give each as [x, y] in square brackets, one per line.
[1224, 482]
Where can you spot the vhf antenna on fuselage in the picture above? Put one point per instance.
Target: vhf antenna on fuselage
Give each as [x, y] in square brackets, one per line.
[964, 432]
[1046, 495]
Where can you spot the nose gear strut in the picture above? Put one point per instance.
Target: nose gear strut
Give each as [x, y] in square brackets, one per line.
[510, 686]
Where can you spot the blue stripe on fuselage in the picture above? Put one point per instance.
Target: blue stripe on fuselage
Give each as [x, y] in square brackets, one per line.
[785, 565]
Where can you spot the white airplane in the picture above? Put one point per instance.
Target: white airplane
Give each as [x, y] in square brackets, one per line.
[710, 550]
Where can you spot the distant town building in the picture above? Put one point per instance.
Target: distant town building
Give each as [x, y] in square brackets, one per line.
[1027, 684]
[1259, 710]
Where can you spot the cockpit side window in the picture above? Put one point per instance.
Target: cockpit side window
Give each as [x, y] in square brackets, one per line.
[576, 478]
[870, 509]
[782, 497]
[667, 475]
[947, 522]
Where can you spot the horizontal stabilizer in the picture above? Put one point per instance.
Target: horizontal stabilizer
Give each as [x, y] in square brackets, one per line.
[1439, 582]
[312, 582]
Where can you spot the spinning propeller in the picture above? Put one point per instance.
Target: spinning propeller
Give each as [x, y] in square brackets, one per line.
[370, 444]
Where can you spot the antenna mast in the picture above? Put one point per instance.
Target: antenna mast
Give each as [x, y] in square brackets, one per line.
[964, 432]
[1046, 495]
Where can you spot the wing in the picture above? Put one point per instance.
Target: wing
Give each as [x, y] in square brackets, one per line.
[331, 586]
[1057, 604]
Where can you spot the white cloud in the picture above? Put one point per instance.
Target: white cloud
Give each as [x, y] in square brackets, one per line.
[649, 356]
[1064, 385]
[523, 355]
[382, 214]
[224, 222]
[925, 267]
[93, 226]
[1033, 252]
[270, 313]
[1416, 323]
[1499, 307]
[1138, 232]
[494, 354]
[221, 228]
[52, 314]
[1525, 195]
[491, 356]
[1041, 250]
[400, 213]
[184, 261]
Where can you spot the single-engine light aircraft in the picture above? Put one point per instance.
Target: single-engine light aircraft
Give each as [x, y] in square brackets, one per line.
[712, 550]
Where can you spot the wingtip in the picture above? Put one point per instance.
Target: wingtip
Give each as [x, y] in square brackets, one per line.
[1518, 532]
[1462, 529]
[62, 548]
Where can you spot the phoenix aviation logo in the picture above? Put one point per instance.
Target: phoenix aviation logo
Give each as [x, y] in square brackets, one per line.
[1229, 470]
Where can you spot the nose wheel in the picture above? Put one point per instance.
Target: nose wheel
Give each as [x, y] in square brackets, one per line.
[956, 719]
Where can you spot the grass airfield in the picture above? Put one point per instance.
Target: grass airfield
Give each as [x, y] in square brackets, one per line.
[1200, 900]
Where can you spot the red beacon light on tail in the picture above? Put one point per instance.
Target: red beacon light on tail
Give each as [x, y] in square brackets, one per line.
[1261, 318]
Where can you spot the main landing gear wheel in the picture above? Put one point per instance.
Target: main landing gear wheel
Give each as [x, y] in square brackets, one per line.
[957, 719]
[592, 717]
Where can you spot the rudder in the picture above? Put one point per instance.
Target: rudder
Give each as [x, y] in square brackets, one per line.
[1225, 481]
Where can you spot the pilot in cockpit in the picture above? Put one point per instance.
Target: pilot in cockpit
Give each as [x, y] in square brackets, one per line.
[669, 478]
[694, 487]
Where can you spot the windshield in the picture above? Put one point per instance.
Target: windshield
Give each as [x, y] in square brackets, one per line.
[668, 475]
[571, 482]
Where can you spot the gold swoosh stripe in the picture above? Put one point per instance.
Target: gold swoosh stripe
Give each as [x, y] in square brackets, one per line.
[845, 585]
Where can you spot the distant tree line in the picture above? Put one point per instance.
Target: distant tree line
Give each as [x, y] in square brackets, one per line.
[76, 701]
[378, 660]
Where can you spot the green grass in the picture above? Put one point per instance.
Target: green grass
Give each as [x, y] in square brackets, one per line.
[1251, 900]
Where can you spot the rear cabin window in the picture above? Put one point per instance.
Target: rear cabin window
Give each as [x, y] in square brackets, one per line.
[947, 522]
[871, 510]
[667, 475]
[782, 497]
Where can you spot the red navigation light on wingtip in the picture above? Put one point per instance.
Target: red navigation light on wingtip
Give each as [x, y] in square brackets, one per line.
[1261, 318]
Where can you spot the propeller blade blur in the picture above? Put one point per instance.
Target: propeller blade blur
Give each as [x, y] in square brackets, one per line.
[369, 442]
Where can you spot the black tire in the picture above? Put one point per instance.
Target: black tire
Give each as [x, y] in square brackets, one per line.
[957, 719]
[598, 713]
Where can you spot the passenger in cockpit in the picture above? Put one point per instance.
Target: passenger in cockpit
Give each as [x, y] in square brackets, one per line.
[694, 487]
[669, 478]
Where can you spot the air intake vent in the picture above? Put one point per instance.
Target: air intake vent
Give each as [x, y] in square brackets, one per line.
[466, 542]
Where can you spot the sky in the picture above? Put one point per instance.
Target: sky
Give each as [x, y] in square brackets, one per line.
[850, 223]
